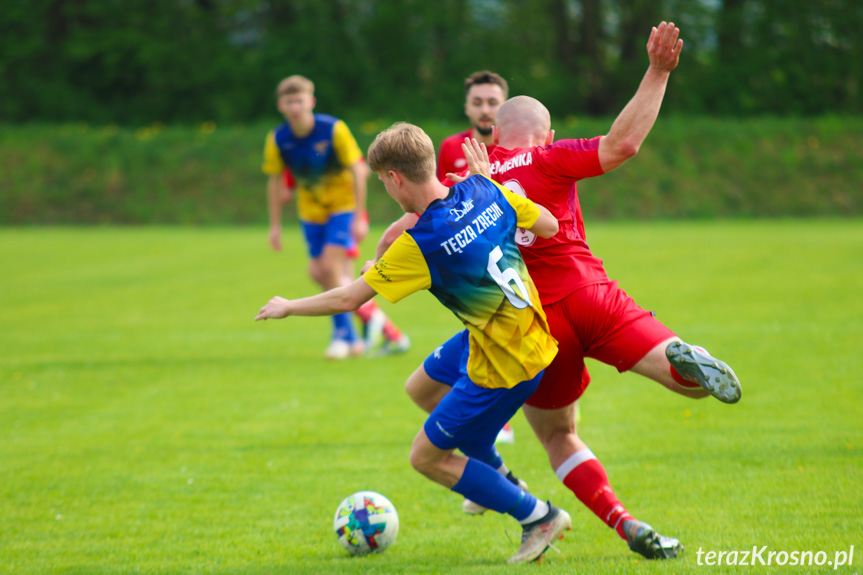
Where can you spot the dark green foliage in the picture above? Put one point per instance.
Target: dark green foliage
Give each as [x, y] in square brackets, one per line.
[137, 61]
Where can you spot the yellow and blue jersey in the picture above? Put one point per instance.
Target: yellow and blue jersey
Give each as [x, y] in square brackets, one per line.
[318, 163]
[463, 250]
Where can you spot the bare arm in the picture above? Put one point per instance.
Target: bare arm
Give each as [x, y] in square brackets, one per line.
[275, 200]
[360, 227]
[392, 233]
[335, 301]
[635, 121]
[546, 226]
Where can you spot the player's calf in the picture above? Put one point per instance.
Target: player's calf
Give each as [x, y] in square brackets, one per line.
[474, 508]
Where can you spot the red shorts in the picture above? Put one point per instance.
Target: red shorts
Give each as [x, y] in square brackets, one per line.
[598, 321]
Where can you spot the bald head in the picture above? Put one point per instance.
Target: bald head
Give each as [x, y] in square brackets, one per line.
[522, 121]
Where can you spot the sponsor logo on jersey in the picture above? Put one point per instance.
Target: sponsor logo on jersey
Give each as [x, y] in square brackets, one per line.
[460, 213]
[525, 159]
[484, 220]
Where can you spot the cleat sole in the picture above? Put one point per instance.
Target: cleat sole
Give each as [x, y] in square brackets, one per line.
[713, 375]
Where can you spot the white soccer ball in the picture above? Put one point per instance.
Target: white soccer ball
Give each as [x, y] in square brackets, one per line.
[366, 522]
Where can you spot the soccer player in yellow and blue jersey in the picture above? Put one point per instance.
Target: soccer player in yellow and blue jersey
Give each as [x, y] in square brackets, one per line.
[463, 250]
[328, 170]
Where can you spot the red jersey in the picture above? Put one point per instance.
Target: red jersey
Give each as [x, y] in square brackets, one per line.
[451, 157]
[548, 175]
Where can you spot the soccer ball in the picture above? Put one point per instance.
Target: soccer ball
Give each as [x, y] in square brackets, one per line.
[366, 522]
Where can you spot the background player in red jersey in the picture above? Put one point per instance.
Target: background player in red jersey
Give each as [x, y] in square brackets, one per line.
[484, 92]
[588, 314]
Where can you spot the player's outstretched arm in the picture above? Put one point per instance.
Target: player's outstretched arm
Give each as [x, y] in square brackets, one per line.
[635, 121]
[337, 300]
[546, 226]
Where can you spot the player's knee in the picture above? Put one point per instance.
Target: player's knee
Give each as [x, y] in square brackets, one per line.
[422, 390]
[553, 426]
[412, 389]
[559, 435]
[422, 463]
[315, 272]
[325, 274]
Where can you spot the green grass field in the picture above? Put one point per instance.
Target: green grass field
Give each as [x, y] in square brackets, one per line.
[148, 425]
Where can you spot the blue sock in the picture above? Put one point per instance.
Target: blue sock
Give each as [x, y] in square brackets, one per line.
[488, 455]
[343, 328]
[482, 484]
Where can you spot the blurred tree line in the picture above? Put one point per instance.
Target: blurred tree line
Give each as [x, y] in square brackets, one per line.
[143, 61]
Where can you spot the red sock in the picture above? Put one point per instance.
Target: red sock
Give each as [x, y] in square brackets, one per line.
[366, 310]
[682, 381]
[589, 482]
[391, 332]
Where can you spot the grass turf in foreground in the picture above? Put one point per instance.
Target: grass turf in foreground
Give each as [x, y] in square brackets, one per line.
[148, 425]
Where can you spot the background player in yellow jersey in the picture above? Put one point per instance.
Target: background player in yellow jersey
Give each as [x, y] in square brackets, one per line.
[330, 175]
[462, 249]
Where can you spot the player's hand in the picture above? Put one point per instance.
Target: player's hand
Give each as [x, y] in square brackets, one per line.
[663, 47]
[287, 196]
[476, 155]
[360, 226]
[276, 308]
[276, 238]
[367, 266]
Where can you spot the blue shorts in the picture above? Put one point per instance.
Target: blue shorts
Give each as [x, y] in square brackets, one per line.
[471, 416]
[444, 363]
[336, 231]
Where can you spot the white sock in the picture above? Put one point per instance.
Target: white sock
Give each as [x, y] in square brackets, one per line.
[538, 512]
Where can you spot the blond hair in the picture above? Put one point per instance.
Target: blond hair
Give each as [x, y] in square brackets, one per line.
[295, 84]
[406, 149]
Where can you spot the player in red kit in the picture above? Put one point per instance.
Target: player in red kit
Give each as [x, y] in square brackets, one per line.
[588, 314]
[484, 93]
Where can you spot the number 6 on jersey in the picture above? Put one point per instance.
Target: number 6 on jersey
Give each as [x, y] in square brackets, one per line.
[503, 278]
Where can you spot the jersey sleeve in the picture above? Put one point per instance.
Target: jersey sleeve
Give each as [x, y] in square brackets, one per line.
[273, 164]
[527, 212]
[345, 145]
[576, 159]
[401, 271]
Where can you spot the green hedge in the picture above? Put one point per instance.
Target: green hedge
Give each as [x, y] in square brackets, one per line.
[689, 167]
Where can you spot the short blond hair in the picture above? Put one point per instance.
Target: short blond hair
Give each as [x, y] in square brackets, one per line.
[295, 84]
[406, 149]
